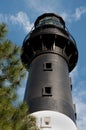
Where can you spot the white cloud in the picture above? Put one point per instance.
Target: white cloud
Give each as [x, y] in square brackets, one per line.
[70, 17]
[81, 112]
[74, 74]
[79, 98]
[79, 12]
[20, 19]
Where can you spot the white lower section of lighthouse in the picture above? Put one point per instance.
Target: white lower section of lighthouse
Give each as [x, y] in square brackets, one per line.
[50, 120]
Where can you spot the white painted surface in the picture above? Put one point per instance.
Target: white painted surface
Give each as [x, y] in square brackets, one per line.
[50, 120]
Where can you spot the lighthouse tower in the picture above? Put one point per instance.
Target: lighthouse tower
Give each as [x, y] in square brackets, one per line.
[49, 53]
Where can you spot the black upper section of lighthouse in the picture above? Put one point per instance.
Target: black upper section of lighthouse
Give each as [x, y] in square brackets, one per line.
[49, 52]
[49, 35]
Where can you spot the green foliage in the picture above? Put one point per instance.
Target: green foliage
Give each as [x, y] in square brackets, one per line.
[3, 30]
[11, 75]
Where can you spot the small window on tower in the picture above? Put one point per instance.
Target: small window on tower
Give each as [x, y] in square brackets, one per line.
[47, 66]
[45, 122]
[47, 91]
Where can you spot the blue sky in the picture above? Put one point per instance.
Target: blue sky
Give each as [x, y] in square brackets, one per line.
[19, 15]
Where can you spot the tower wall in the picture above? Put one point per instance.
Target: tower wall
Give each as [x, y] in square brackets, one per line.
[48, 85]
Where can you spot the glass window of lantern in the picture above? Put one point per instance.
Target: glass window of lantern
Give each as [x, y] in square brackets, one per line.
[50, 20]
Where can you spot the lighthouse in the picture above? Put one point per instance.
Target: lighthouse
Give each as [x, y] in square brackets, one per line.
[49, 53]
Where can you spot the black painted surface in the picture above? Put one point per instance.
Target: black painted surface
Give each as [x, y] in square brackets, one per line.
[57, 78]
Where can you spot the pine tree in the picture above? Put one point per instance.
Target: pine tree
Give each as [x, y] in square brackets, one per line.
[11, 73]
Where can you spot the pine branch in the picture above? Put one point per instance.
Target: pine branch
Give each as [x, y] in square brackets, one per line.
[11, 75]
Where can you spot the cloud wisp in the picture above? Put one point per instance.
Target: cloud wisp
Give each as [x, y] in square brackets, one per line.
[79, 12]
[79, 95]
[20, 19]
[70, 17]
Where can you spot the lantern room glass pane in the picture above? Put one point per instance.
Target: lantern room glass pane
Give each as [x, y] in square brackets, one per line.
[50, 21]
